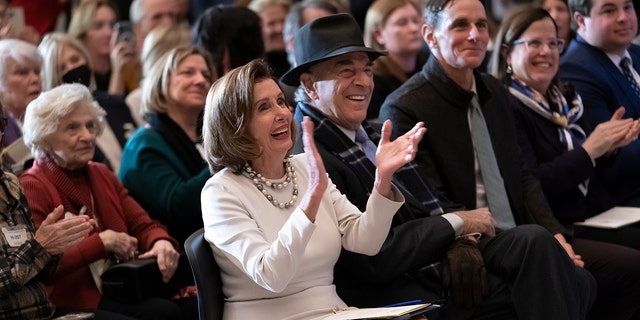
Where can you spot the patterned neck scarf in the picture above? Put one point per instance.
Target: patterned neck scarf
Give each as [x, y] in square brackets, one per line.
[569, 132]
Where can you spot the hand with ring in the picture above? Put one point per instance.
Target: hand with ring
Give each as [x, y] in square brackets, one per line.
[167, 257]
[133, 254]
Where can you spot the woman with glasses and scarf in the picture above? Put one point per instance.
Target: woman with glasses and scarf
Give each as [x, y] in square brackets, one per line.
[566, 161]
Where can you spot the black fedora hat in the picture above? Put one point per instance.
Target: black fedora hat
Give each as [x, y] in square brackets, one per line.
[326, 38]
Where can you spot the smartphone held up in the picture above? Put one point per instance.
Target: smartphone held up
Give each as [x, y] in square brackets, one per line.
[124, 36]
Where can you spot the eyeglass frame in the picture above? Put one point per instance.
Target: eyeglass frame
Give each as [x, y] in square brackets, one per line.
[527, 43]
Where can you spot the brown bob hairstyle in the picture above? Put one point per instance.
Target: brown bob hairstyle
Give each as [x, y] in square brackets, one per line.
[227, 114]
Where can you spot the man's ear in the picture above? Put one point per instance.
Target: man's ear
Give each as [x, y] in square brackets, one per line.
[579, 18]
[428, 36]
[306, 79]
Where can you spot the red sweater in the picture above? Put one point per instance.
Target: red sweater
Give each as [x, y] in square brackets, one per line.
[46, 186]
[41, 14]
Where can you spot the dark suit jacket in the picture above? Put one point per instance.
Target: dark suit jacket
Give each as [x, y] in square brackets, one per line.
[374, 281]
[603, 89]
[559, 171]
[446, 156]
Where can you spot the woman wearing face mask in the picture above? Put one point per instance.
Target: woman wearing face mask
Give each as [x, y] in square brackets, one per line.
[66, 60]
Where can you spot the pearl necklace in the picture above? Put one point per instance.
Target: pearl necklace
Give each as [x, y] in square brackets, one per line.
[259, 181]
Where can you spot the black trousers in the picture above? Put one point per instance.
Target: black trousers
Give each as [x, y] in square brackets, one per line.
[147, 309]
[616, 269]
[530, 275]
[532, 272]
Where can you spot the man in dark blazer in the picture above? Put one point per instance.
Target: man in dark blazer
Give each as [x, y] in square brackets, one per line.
[442, 96]
[591, 64]
[334, 74]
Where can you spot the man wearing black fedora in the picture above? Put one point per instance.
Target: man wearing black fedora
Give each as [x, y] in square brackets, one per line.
[435, 250]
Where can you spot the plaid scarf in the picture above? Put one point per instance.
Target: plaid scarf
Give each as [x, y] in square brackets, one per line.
[351, 154]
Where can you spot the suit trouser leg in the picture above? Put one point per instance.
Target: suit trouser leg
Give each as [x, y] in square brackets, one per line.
[543, 281]
[617, 271]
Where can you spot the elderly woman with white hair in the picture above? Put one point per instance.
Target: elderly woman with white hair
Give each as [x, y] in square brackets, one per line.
[20, 83]
[60, 128]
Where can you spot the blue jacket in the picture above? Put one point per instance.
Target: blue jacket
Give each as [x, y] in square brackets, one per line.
[603, 89]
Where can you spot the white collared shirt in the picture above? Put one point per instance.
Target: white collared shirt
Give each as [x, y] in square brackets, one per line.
[615, 58]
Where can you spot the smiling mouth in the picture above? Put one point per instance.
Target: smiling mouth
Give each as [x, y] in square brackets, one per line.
[542, 64]
[357, 97]
[280, 133]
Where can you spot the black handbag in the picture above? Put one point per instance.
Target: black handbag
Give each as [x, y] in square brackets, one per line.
[133, 281]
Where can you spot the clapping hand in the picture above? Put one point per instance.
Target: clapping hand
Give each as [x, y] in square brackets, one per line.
[632, 132]
[610, 135]
[392, 155]
[56, 235]
[318, 179]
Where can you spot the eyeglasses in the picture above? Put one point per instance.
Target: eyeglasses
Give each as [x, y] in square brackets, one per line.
[536, 44]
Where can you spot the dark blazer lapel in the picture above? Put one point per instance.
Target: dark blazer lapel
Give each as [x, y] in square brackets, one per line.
[606, 66]
[449, 139]
[335, 141]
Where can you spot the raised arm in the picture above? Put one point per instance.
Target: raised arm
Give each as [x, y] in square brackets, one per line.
[392, 155]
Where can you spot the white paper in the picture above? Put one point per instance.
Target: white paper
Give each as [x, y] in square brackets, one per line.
[375, 313]
[613, 218]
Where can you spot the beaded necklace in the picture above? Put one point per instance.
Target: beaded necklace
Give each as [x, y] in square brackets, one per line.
[259, 181]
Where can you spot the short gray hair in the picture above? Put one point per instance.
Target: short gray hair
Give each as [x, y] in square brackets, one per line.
[45, 113]
[19, 52]
[135, 11]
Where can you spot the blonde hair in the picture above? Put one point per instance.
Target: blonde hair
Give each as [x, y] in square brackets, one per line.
[227, 115]
[377, 16]
[155, 87]
[51, 49]
[83, 16]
